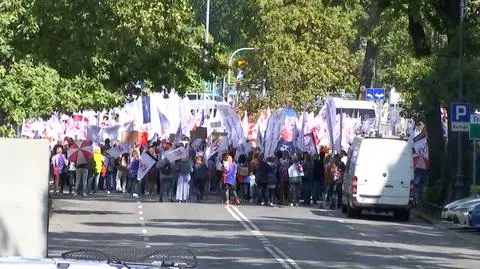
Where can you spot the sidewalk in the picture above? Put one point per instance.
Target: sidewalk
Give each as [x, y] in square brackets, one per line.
[469, 235]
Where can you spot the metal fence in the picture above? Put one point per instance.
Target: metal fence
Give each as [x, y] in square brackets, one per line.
[429, 208]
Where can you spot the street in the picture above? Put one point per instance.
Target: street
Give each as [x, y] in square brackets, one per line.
[248, 236]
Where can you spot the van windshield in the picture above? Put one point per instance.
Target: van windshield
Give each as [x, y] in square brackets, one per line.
[364, 114]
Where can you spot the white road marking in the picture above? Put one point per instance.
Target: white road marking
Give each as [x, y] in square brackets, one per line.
[277, 258]
[340, 220]
[376, 242]
[350, 227]
[274, 251]
[142, 223]
[403, 258]
[362, 234]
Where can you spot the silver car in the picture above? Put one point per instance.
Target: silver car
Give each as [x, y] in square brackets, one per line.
[448, 210]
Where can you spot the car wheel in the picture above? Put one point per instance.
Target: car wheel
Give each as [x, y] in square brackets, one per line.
[353, 213]
[344, 208]
[402, 215]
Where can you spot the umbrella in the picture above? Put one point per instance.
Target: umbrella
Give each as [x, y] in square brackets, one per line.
[80, 152]
[420, 162]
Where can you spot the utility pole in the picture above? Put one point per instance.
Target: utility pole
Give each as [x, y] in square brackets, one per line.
[207, 21]
[458, 187]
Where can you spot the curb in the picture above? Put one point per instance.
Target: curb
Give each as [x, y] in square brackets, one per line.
[435, 223]
[424, 217]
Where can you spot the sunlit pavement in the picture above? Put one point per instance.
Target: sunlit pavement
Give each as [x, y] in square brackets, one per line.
[255, 236]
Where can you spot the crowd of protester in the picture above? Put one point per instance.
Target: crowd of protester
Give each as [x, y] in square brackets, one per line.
[283, 179]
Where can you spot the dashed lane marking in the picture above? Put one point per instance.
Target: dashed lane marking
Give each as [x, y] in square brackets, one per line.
[142, 224]
[277, 254]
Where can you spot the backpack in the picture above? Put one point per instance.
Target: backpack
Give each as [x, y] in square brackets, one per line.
[166, 169]
[271, 176]
[284, 171]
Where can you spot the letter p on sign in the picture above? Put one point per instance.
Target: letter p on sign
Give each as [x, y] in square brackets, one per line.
[460, 115]
[460, 112]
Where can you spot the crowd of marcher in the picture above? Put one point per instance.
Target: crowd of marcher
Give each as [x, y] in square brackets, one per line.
[283, 179]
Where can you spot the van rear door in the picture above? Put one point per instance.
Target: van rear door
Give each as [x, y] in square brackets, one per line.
[384, 171]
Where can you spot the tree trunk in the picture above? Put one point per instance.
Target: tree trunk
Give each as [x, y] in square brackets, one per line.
[371, 52]
[368, 68]
[2, 117]
[436, 142]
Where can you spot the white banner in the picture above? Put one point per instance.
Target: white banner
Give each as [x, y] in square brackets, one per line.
[146, 162]
[330, 115]
[114, 133]
[176, 154]
[232, 124]
[118, 150]
[274, 128]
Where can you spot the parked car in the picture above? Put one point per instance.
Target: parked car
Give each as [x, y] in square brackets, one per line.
[463, 213]
[448, 210]
[475, 217]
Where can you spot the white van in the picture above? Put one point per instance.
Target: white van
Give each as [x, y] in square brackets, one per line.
[379, 177]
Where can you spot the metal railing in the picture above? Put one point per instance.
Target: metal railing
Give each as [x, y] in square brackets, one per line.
[429, 208]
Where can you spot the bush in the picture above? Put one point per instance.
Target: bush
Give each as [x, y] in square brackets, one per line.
[474, 189]
[6, 131]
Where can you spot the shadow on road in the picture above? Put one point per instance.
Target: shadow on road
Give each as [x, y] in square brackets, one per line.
[317, 239]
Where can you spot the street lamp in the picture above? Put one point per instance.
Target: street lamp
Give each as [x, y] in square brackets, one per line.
[207, 21]
[230, 65]
[458, 187]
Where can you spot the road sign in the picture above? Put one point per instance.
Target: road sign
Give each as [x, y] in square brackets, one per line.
[460, 116]
[375, 94]
[474, 128]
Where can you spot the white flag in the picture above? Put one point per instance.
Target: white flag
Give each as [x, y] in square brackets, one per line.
[118, 150]
[274, 128]
[146, 162]
[178, 135]
[94, 133]
[176, 154]
[232, 124]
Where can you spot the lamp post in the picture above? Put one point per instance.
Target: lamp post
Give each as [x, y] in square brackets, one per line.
[458, 187]
[230, 65]
[207, 21]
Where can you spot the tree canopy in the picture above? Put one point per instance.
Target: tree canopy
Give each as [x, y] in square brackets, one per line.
[73, 55]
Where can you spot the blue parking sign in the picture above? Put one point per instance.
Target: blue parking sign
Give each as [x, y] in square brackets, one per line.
[460, 117]
[460, 112]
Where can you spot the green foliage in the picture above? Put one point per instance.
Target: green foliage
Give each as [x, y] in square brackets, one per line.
[63, 55]
[232, 23]
[6, 131]
[475, 189]
[303, 51]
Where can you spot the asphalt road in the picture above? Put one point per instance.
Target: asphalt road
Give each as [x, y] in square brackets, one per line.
[257, 236]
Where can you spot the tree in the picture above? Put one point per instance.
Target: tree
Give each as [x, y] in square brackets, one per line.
[303, 50]
[232, 23]
[81, 54]
[419, 56]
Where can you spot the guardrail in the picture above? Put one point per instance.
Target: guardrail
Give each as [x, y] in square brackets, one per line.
[429, 208]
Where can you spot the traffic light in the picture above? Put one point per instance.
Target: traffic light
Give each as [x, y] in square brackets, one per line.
[241, 63]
